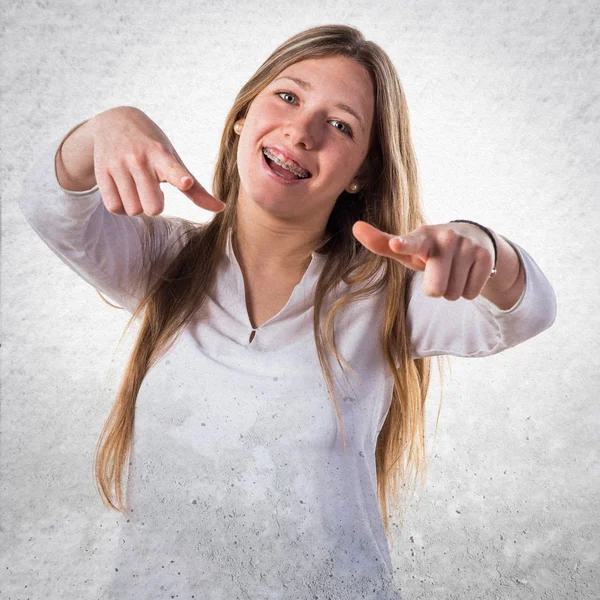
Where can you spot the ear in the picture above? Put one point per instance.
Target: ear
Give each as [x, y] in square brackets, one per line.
[362, 175]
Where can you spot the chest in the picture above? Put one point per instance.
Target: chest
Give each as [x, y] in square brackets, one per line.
[267, 298]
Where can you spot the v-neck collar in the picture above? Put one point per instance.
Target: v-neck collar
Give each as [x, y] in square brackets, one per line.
[293, 313]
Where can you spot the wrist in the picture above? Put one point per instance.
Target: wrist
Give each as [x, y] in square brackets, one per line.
[74, 160]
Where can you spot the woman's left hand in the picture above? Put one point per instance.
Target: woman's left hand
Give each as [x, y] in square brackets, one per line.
[457, 257]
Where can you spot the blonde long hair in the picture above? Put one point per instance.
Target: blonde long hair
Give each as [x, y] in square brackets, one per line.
[389, 200]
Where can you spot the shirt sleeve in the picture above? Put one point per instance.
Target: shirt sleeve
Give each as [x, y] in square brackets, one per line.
[476, 328]
[103, 248]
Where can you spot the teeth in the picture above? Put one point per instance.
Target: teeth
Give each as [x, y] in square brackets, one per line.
[286, 165]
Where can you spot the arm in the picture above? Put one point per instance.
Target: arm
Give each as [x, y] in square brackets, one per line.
[103, 248]
[479, 327]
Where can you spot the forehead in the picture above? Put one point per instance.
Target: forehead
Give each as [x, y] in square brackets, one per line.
[338, 76]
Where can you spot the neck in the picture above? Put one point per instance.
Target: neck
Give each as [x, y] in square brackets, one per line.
[268, 246]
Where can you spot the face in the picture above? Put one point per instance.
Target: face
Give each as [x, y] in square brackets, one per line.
[324, 124]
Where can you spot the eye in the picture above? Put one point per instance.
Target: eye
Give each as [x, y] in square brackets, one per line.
[347, 131]
[286, 93]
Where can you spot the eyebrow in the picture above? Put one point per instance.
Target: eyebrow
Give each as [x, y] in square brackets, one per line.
[307, 86]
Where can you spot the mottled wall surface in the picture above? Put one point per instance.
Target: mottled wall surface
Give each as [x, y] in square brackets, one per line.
[503, 98]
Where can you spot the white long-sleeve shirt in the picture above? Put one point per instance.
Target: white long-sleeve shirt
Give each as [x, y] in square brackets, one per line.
[238, 483]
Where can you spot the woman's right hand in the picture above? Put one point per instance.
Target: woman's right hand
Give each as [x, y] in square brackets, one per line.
[132, 157]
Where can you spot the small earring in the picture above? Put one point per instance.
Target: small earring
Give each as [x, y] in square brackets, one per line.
[354, 187]
[238, 128]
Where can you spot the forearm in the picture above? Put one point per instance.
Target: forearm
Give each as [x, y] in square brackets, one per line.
[74, 159]
[506, 286]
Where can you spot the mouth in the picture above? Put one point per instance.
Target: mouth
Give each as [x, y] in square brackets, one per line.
[284, 171]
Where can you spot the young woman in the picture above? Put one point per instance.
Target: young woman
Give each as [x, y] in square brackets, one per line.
[278, 381]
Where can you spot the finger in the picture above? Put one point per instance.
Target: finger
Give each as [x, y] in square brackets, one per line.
[459, 273]
[478, 276]
[413, 252]
[200, 196]
[127, 192]
[152, 198]
[403, 245]
[437, 272]
[373, 239]
[417, 244]
[174, 172]
[109, 192]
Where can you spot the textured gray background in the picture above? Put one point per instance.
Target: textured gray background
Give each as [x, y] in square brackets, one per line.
[503, 98]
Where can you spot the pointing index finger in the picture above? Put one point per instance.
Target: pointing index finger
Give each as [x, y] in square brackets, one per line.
[399, 244]
[199, 196]
[372, 238]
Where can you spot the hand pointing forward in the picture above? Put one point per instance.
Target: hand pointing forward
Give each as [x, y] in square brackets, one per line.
[457, 258]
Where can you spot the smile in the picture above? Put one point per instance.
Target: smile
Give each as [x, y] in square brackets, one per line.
[288, 165]
[289, 180]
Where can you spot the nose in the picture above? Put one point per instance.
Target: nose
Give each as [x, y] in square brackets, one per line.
[301, 129]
